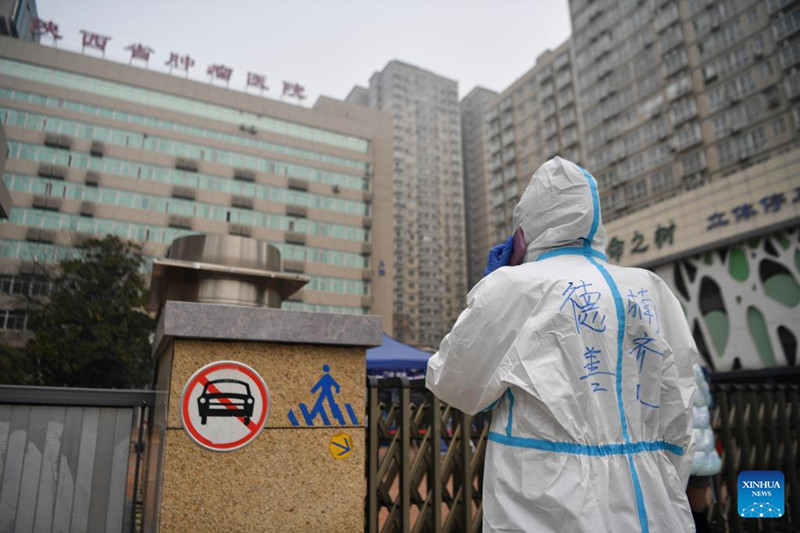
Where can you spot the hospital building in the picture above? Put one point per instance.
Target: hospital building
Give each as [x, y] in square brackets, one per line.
[97, 147]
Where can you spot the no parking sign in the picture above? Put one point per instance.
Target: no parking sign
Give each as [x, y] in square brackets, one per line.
[224, 406]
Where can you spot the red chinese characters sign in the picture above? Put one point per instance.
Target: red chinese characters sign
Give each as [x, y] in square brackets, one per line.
[215, 71]
[180, 62]
[140, 51]
[257, 80]
[220, 72]
[94, 40]
[43, 27]
[294, 90]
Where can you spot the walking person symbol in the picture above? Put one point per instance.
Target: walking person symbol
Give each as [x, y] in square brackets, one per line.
[325, 387]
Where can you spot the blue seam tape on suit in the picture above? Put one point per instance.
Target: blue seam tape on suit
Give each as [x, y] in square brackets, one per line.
[573, 250]
[594, 450]
[590, 255]
[637, 487]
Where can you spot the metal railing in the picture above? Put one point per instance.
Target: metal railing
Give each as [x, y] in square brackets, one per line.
[424, 461]
[425, 458]
[757, 425]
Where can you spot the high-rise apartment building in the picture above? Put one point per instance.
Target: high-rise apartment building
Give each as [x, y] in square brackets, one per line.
[679, 93]
[534, 119]
[474, 129]
[429, 256]
[17, 19]
[100, 148]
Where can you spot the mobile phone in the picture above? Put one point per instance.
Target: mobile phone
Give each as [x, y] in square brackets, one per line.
[519, 248]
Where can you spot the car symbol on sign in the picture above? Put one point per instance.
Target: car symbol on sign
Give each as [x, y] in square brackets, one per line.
[225, 397]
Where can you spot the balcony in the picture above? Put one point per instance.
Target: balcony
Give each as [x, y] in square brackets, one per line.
[565, 99]
[242, 202]
[294, 210]
[777, 5]
[666, 18]
[239, 229]
[563, 79]
[294, 237]
[46, 170]
[792, 85]
[241, 174]
[97, 149]
[179, 221]
[790, 56]
[296, 184]
[184, 163]
[561, 61]
[49, 203]
[787, 25]
[184, 193]
[55, 140]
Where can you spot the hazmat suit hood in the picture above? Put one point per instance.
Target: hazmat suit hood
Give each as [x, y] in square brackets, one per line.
[558, 210]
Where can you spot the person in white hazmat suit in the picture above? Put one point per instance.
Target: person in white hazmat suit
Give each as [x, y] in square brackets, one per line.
[588, 368]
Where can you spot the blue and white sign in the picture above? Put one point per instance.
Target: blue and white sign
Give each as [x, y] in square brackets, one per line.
[761, 494]
[326, 389]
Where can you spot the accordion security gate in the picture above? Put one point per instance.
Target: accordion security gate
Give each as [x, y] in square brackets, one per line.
[425, 459]
[758, 428]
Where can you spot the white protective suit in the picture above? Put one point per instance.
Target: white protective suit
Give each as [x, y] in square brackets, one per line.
[588, 367]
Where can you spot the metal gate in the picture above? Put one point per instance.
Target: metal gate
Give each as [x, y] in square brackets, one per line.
[71, 459]
[758, 428]
[425, 459]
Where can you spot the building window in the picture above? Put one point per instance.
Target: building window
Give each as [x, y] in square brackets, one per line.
[682, 110]
[662, 181]
[725, 153]
[778, 126]
[693, 162]
[13, 319]
[674, 61]
[688, 135]
[635, 191]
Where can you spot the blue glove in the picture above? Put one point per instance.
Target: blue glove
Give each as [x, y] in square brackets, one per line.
[499, 256]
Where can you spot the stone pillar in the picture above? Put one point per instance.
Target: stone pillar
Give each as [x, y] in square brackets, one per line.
[292, 476]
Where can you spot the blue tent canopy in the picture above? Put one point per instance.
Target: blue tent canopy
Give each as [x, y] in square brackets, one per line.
[394, 355]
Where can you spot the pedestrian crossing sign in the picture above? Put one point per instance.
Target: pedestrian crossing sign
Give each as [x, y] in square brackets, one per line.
[326, 410]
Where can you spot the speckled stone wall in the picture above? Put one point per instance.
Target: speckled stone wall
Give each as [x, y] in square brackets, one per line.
[286, 479]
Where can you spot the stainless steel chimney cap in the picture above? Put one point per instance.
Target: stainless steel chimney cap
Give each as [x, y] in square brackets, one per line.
[225, 269]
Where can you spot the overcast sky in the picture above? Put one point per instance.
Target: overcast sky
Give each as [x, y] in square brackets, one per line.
[327, 46]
